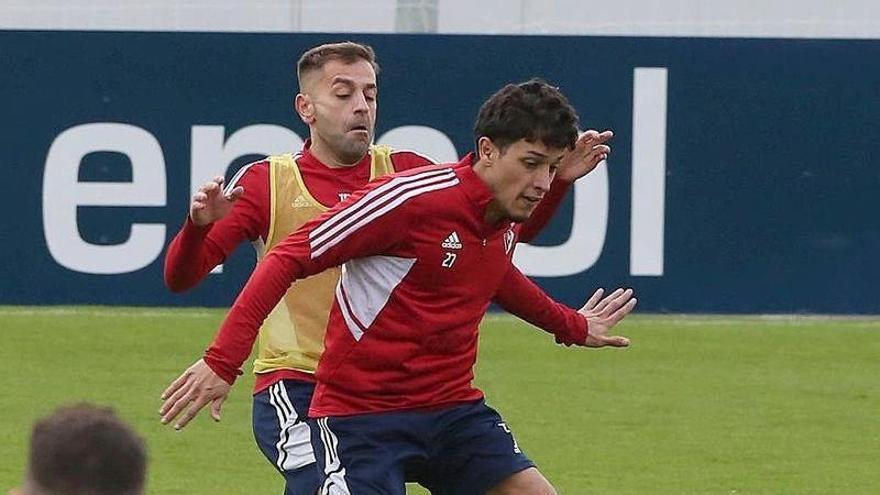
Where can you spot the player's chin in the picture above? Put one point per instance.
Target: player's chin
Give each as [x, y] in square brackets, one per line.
[521, 215]
[355, 149]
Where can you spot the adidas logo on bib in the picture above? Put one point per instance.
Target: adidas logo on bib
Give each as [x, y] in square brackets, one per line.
[300, 202]
[452, 241]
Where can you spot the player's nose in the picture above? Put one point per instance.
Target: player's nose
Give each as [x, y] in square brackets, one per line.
[360, 104]
[541, 180]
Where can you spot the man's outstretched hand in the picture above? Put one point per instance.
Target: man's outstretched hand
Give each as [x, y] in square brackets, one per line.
[190, 392]
[603, 313]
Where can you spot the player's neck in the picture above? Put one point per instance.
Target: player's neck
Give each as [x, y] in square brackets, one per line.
[494, 212]
[324, 153]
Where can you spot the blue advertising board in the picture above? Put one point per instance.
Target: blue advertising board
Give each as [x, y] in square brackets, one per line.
[745, 173]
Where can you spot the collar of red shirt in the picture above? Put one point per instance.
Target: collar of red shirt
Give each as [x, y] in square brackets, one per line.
[475, 189]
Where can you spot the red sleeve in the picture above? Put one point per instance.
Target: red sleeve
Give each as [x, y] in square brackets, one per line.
[544, 211]
[405, 160]
[521, 297]
[349, 230]
[195, 251]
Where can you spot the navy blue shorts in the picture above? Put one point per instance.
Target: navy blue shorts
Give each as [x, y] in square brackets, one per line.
[458, 450]
[284, 436]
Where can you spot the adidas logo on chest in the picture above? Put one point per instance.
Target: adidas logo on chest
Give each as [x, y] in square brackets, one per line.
[452, 241]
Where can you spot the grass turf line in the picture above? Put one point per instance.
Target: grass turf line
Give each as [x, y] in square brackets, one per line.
[698, 405]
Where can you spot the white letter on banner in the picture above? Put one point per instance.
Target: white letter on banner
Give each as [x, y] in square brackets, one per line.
[423, 140]
[648, 172]
[589, 224]
[212, 153]
[63, 193]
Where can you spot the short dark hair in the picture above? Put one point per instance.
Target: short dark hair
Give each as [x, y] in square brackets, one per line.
[346, 51]
[533, 110]
[86, 450]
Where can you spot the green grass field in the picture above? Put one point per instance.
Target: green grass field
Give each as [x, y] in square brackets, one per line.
[698, 405]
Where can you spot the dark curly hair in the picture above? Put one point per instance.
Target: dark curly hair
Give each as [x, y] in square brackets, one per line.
[533, 110]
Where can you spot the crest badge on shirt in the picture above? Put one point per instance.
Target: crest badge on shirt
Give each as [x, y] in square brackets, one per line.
[508, 240]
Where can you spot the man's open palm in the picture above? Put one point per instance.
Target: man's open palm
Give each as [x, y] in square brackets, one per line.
[604, 313]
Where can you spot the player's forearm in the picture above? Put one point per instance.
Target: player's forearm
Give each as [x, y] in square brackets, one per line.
[236, 337]
[523, 298]
[189, 257]
[544, 211]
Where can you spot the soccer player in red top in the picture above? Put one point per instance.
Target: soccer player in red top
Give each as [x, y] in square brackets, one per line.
[423, 254]
[338, 103]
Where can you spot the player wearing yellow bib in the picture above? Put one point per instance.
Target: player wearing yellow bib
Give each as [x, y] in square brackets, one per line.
[267, 200]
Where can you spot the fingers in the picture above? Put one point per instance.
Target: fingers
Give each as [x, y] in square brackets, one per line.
[593, 137]
[190, 393]
[200, 198]
[589, 137]
[234, 194]
[617, 302]
[594, 299]
[175, 385]
[624, 310]
[192, 411]
[214, 187]
[595, 141]
[616, 341]
[211, 203]
[602, 149]
[178, 394]
[600, 307]
[599, 152]
[172, 399]
[596, 341]
[176, 403]
[210, 188]
[216, 404]
[199, 201]
[587, 141]
[607, 313]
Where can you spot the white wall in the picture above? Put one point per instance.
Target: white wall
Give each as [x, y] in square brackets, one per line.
[201, 15]
[767, 18]
[760, 18]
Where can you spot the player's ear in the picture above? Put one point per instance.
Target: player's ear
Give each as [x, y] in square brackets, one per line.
[487, 150]
[304, 107]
